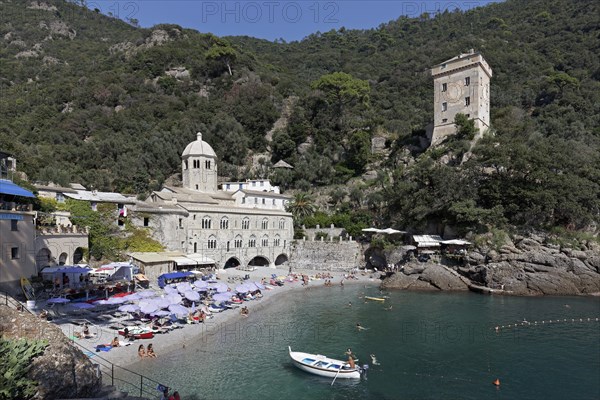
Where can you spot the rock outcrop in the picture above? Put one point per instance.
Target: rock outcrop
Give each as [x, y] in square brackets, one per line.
[425, 276]
[62, 371]
[524, 266]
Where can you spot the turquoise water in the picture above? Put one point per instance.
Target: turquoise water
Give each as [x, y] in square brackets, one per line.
[430, 346]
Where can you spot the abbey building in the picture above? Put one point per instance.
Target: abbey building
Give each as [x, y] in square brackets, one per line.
[242, 224]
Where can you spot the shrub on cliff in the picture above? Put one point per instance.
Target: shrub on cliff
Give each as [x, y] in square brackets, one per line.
[14, 365]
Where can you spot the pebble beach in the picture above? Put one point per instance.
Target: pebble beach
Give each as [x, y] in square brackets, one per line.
[127, 354]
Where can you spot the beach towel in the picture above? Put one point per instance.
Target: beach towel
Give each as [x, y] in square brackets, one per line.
[103, 347]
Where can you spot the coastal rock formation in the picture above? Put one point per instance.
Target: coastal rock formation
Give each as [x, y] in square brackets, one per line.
[533, 266]
[62, 371]
[425, 276]
[523, 266]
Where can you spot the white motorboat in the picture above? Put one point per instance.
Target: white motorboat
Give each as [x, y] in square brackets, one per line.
[324, 366]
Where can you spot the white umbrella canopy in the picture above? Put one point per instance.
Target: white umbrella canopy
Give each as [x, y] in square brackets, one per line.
[148, 306]
[174, 298]
[160, 313]
[132, 297]
[200, 284]
[391, 231]
[191, 295]
[58, 300]
[146, 293]
[219, 297]
[183, 287]
[178, 310]
[116, 300]
[129, 308]
[162, 302]
[170, 289]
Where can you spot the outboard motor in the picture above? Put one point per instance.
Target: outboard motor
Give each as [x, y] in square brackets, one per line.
[364, 370]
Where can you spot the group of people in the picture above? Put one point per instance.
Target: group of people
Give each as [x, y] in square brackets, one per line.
[85, 332]
[149, 352]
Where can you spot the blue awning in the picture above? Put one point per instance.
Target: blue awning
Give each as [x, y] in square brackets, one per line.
[7, 187]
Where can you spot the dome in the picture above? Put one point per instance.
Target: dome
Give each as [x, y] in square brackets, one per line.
[199, 148]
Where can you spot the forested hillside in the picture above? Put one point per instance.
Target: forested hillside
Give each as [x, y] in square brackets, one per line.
[87, 98]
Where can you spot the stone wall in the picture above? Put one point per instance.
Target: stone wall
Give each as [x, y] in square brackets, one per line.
[326, 256]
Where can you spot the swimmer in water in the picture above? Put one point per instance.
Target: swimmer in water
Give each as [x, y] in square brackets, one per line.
[388, 308]
[374, 360]
[360, 327]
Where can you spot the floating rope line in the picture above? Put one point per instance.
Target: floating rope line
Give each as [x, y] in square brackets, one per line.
[526, 323]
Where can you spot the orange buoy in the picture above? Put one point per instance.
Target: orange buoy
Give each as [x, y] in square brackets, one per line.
[496, 382]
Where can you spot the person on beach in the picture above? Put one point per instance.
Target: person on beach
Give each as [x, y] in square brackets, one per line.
[165, 394]
[245, 311]
[176, 396]
[150, 351]
[115, 342]
[141, 351]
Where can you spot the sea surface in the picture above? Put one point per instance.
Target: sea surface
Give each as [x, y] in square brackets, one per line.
[428, 346]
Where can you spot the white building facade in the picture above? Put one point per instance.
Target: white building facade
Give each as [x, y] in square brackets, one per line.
[461, 85]
[232, 227]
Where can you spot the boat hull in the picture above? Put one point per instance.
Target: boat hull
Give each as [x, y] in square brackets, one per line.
[323, 366]
[374, 298]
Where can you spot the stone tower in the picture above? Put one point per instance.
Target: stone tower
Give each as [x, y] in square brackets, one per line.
[199, 166]
[461, 85]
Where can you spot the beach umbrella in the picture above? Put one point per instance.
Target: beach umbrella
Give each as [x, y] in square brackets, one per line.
[161, 302]
[82, 306]
[132, 297]
[193, 308]
[148, 306]
[191, 295]
[242, 289]
[178, 310]
[219, 297]
[170, 290]
[221, 287]
[160, 313]
[58, 300]
[146, 294]
[174, 298]
[129, 308]
[200, 284]
[116, 300]
[183, 287]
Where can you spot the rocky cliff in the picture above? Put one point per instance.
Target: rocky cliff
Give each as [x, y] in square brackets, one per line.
[523, 266]
[62, 371]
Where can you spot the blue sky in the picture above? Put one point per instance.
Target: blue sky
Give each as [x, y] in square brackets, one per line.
[274, 19]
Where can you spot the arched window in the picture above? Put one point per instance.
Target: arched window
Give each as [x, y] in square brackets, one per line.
[224, 223]
[265, 224]
[207, 164]
[237, 243]
[195, 247]
[246, 223]
[252, 241]
[206, 222]
[264, 241]
[282, 223]
[212, 242]
[277, 241]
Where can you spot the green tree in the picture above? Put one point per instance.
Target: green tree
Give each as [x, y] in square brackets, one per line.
[222, 52]
[342, 89]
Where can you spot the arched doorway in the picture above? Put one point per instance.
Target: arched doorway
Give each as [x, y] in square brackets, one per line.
[43, 258]
[259, 261]
[232, 263]
[281, 259]
[62, 259]
[78, 255]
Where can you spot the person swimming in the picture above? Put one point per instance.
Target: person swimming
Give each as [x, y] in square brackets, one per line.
[374, 360]
[360, 327]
